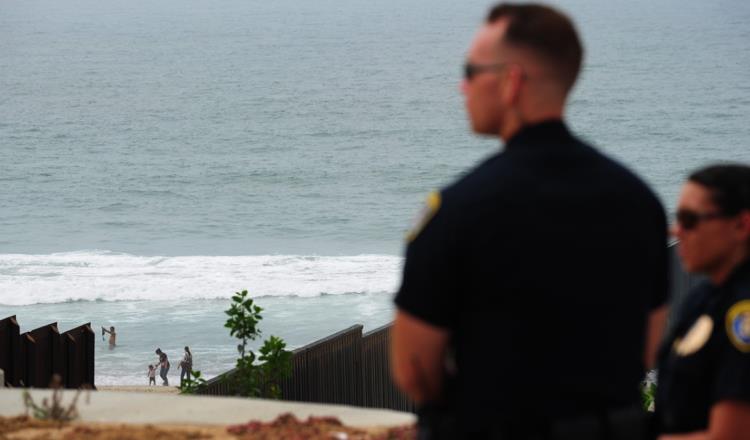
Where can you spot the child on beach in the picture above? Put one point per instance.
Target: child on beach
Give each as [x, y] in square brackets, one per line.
[151, 375]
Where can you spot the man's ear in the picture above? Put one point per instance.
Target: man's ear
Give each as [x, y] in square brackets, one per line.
[511, 84]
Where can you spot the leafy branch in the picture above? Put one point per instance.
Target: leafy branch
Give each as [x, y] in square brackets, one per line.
[193, 384]
[251, 379]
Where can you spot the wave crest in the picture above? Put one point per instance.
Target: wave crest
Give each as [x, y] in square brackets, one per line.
[109, 276]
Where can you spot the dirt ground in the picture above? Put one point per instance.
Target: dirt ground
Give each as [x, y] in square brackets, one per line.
[284, 427]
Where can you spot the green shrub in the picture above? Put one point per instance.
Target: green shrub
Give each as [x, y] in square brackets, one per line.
[193, 384]
[251, 379]
[276, 366]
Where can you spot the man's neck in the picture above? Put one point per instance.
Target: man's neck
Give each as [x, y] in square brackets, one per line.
[515, 125]
[720, 275]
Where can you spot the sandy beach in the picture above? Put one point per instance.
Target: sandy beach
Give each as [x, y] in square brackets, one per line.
[158, 389]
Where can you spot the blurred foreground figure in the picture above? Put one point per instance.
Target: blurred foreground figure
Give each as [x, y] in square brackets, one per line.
[531, 283]
[704, 365]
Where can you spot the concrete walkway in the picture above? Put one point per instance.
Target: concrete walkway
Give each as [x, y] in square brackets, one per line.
[129, 407]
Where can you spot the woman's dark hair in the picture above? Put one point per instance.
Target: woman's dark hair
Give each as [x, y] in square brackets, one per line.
[188, 350]
[729, 185]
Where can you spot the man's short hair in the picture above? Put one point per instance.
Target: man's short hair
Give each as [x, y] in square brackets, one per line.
[729, 185]
[546, 32]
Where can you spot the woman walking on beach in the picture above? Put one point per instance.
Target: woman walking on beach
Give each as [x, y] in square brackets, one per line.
[163, 366]
[186, 365]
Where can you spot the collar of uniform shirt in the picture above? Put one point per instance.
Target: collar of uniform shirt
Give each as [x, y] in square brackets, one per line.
[738, 273]
[540, 134]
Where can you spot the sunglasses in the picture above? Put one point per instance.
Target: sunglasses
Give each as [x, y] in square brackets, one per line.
[472, 70]
[688, 219]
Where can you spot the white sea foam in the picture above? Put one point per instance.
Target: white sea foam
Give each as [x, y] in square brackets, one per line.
[107, 276]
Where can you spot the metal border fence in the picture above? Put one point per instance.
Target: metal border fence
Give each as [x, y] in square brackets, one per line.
[31, 359]
[345, 368]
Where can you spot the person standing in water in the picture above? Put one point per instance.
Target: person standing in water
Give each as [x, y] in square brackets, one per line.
[112, 336]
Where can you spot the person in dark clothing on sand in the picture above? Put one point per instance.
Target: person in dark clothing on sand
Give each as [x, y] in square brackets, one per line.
[163, 366]
[186, 365]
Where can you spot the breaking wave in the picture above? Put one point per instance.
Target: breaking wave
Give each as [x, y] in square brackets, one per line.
[108, 276]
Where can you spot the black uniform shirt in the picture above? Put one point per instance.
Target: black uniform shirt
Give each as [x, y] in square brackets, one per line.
[706, 359]
[543, 263]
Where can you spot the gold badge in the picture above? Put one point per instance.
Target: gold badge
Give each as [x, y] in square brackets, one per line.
[695, 338]
[738, 325]
[431, 206]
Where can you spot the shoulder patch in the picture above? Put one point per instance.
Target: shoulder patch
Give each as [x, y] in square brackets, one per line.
[738, 325]
[695, 338]
[430, 208]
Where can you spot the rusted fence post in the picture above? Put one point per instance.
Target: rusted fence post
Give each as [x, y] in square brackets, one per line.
[10, 351]
[28, 351]
[44, 355]
[378, 387]
[78, 357]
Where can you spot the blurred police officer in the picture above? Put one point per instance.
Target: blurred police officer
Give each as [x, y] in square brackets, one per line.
[532, 284]
[703, 390]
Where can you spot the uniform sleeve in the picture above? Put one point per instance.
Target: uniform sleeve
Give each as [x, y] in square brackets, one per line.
[733, 370]
[430, 272]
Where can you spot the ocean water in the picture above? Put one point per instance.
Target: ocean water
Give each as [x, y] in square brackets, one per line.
[156, 157]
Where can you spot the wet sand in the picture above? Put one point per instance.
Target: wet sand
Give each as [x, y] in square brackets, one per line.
[140, 389]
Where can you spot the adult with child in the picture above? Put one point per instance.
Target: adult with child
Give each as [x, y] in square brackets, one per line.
[703, 389]
[548, 259]
[186, 365]
[163, 366]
